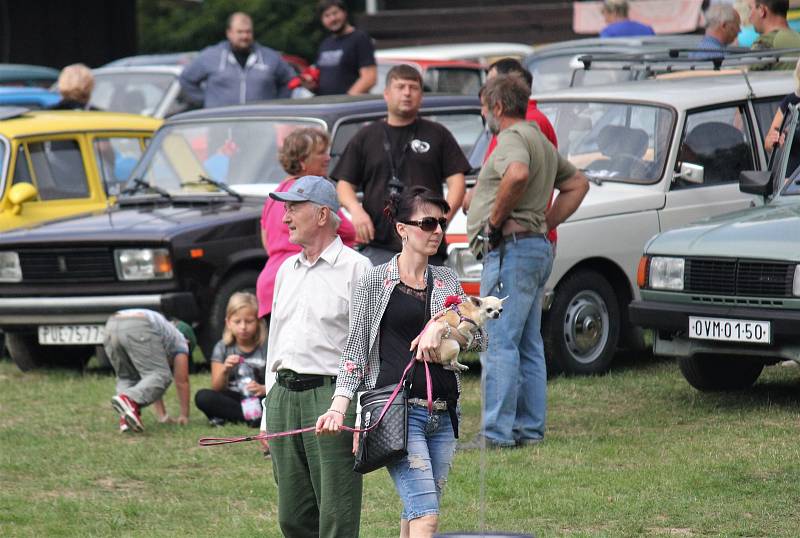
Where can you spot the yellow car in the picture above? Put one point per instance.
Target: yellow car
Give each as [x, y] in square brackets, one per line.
[61, 163]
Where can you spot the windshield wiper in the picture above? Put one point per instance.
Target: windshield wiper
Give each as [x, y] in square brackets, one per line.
[597, 180]
[142, 184]
[201, 179]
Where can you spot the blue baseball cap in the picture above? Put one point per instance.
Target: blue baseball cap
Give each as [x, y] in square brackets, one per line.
[315, 189]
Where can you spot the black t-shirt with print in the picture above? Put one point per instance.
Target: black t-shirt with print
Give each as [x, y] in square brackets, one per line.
[424, 153]
[340, 58]
[403, 320]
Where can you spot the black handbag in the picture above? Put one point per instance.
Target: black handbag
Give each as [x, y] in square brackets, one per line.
[386, 442]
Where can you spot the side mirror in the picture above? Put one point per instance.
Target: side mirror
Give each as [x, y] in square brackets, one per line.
[691, 173]
[756, 182]
[19, 194]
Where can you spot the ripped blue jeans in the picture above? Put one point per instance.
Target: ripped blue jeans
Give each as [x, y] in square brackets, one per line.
[420, 477]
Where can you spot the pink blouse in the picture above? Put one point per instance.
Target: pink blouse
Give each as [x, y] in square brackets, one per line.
[279, 247]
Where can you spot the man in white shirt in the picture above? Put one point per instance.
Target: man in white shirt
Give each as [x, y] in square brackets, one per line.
[319, 494]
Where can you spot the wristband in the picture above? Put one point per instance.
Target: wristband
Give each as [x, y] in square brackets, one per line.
[336, 411]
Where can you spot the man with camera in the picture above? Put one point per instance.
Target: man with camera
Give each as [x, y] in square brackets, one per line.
[388, 155]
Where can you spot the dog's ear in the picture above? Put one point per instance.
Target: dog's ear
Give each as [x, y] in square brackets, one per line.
[503, 299]
[476, 301]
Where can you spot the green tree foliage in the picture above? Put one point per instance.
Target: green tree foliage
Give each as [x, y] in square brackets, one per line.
[290, 26]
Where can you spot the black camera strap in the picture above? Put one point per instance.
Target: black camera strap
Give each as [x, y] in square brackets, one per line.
[396, 167]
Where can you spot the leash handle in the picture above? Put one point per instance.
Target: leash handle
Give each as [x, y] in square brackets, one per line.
[217, 441]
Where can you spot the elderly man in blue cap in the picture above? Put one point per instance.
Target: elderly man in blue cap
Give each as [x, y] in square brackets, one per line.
[319, 494]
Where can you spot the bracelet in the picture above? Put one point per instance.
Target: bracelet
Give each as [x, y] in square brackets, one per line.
[336, 411]
[448, 330]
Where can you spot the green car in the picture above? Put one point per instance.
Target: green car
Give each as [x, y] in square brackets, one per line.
[723, 295]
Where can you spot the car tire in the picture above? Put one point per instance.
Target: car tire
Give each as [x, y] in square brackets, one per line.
[103, 362]
[22, 351]
[713, 373]
[28, 354]
[581, 329]
[212, 330]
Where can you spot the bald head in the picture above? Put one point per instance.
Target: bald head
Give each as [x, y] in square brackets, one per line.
[240, 31]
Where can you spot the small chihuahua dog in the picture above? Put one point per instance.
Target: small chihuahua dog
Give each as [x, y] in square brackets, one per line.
[470, 318]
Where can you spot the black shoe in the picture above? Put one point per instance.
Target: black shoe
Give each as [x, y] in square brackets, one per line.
[532, 441]
[480, 441]
[216, 422]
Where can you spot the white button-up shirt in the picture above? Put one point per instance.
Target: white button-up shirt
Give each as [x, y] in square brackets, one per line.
[311, 311]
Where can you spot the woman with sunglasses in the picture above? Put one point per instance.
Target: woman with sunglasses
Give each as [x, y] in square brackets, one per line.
[389, 321]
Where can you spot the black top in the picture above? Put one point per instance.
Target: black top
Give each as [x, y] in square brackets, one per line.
[791, 99]
[69, 104]
[424, 153]
[402, 321]
[241, 56]
[340, 58]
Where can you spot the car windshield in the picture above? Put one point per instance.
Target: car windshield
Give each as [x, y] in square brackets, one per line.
[613, 141]
[136, 93]
[234, 152]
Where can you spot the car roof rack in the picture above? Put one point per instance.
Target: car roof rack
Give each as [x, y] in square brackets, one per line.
[684, 59]
[675, 60]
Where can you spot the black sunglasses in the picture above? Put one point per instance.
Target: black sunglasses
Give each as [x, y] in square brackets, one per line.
[428, 224]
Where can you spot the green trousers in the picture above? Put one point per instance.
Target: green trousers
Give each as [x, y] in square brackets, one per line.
[319, 494]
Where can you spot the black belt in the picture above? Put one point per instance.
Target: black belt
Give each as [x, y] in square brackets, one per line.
[513, 237]
[293, 381]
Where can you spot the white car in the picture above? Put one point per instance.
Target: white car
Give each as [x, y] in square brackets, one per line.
[661, 154]
[484, 53]
[150, 90]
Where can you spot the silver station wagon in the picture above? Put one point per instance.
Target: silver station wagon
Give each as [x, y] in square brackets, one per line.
[723, 295]
[661, 154]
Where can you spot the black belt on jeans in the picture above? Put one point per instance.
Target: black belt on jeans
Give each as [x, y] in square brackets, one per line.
[291, 380]
[513, 237]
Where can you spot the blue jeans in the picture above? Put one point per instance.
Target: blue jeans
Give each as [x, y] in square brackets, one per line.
[420, 477]
[514, 374]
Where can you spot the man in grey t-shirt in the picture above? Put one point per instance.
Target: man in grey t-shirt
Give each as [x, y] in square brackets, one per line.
[507, 226]
[144, 350]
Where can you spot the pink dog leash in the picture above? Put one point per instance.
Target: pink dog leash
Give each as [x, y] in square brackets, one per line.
[216, 441]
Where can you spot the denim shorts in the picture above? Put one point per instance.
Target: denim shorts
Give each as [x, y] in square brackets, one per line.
[420, 477]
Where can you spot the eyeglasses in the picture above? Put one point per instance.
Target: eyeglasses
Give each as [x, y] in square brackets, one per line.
[428, 224]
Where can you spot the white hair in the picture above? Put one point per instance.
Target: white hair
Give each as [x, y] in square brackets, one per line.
[719, 14]
[334, 220]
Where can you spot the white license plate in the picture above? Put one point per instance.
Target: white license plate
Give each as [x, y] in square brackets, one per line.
[730, 330]
[71, 334]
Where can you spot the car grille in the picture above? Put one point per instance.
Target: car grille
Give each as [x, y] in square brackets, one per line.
[73, 265]
[738, 277]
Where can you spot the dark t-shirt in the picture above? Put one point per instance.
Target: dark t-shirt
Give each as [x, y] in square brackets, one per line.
[791, 99]
[402, 321]
[340, 58]
[424, 153]
[256, 359]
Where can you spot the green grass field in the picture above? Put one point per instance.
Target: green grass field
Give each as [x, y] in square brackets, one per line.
[634, 453]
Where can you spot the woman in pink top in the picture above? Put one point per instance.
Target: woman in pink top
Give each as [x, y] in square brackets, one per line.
[304, 153]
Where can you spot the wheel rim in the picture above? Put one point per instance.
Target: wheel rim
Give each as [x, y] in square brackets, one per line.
[586, 326]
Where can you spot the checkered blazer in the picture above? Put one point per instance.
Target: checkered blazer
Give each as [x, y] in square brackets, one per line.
[360, 362]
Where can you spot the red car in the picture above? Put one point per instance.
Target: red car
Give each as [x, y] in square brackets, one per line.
[441, 76]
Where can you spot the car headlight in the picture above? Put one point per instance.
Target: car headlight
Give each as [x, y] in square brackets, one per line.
[464, 263]
[666, 273]
[143, 263]
[10, 269]
[796, 283]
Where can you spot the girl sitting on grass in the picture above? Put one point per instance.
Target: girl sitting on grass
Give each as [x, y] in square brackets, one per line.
[238, 363]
